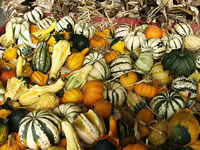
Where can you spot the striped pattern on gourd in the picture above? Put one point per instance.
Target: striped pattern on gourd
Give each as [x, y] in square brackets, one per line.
[92, 57]
[192, 42]
[34, 15]
[167, 104]
[114, 92]
[25, 50]
[182, 29]
[67, 111]
[66, 23]
[41, 59]
[134, 40]
[121, 31]
[197, 60]
[120, 65]
[100, 71]
[154, 46]
[45, 23]
[39, 129]
[172, 41]
[85, 29]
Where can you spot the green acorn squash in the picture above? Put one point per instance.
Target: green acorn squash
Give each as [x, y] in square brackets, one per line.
[80, 42]
[3, 131]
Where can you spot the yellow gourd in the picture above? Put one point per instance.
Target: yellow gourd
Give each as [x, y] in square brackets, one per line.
[9, 54]
[75, 61]
[73, 95]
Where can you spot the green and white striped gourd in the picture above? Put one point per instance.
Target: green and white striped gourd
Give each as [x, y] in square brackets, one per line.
[120, 65]
[144, 63]
[192, 42]
[113, 91]
[67, 111]
[66, 23]
[2, 92]
[141, 28]
[19, 26]
[100, 71]
[167, 104]
[154, 46]
[39, 129]
[183, 86]
[197, 60]
[134, 40]
[92, 57]
[85, 29]
[25, 50]
[45, 23]
[172, 41]
[34, 15]
[41, 59]
[182, 29]
[122, 30]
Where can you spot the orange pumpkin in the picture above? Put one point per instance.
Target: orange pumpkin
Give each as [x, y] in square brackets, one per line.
[39, 78]
[102, 105]
[128, 80]
[146, 90]
[143, 130]
[13, 143]
[111, 56]
[145, 115]
[153, 31]
[97, 41]
[136, 147]
[92, 92]
[73, 95]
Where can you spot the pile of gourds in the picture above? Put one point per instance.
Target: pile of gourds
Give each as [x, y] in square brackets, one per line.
[66, 85]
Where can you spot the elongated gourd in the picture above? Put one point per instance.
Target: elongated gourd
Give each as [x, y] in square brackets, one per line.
[19, 66]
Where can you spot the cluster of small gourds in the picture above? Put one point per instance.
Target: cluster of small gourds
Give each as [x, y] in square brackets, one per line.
[66, 86]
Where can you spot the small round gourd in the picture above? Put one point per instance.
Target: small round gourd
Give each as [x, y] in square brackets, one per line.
[182, 29]
[192, 42]
[66, 23]
[25, 50]
[92, 57]
[34, 15]
[44, 23]
[128, 80]
[122, 30]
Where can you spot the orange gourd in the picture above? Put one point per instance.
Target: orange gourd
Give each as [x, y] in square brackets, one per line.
[143, 130]
[39, 78]
[153, 31]
[92, 92]
[128, 79]
[136, 147]
[62, 142]
[111, 56]
[145, 115]
[97, 41]
[102, 105]
[33, 28]
[73, 95]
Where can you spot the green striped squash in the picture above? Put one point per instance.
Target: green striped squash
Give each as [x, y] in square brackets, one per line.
[120, 65]
[92, 57]
[45, 23]
[41, 59]
[39, 129]
[167, 104]
[197, 60]
[67, 111]
[66, 23]
[25, 50]
[182, 29]
[124, 130]
[154, 46]
[34, 15]
[172, 41]
[114, 92]
[122, 30]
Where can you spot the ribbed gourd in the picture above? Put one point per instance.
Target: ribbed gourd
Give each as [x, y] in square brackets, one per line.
[182, 29]
[66, 23]
[121, 31]
[92, 57]
[34, 15]
[44, 23]
[25, 50]
[41, 59]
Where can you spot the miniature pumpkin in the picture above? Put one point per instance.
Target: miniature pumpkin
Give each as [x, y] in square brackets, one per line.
[102, 105]
[6, 74]
[92, 92]
[145, 115]
[73, 95]
[97, 41]
[39, 78]
[128, 79]
[9, 54]
[153, 31]
[3, 131]
[135, 147]
[110, 56]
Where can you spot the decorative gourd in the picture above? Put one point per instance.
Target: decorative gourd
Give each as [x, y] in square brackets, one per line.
[80, 42]
[34, 15]
[182, 29]
[183, 86]
[135, 102]
[141, 28]
[4, 113]
[27, 70]
[114, 92]
[179, 63]
[135, 147]
[155, 47]
[118, 45]
[85, 29]
[102, 105]
[41, 59]
[192, 42]
[183, 128]
[2, 92]
[39, 78]
[25, 51]
[195, 145]
[120, 65]
[104, 144]
[75, 61]
[144, 63]
[66, 23]
[153, 31]
[145, 115]
[73, 95]
[3, 131]
[197, 60]
[67, 111]
[121, 31]
[159, 74]
[92, 92]
[9, 54]
[97, 41]
[110, 56]
[172, 41]
[128, 80]
[6, 74]
[89, 127]
[134, 40]
[44, 23]
[39, 129]
[167, 104]
[92, 57]
[146, 90]
[19, 26]
[15, 117]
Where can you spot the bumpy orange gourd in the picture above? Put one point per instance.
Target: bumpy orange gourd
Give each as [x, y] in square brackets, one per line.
[39, 78]
[128, 79]
[73, 95]
[111, 56]
[153, 31]
[136, 147]
[92, 92]
[145, 115]
[102, 105]
[97, 41]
